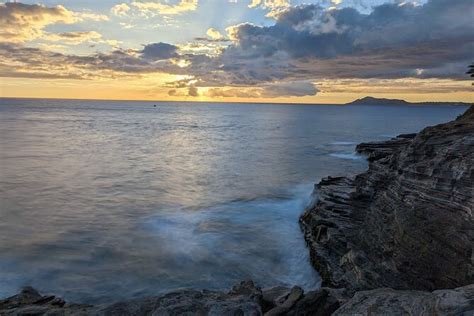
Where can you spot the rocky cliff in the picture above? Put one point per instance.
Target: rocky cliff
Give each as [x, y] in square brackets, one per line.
[405, 223]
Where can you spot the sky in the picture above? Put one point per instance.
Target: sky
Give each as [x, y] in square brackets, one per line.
[312, 51]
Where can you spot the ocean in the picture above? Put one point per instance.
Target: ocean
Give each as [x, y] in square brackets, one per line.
[110, 200]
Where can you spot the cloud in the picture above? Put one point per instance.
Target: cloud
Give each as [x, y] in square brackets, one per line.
[275, 7]
[159, 51]
[23, 22]
[214, 34]
[310, 42]
[234, 92]
[127, 25]
[193, 91]
[158, 7]
[254, 3]
[273, 90]
[306, 45]
[81, 16]
[297, 89]
[120, 9]
[20, 61]
[399, 86]
[73, 37]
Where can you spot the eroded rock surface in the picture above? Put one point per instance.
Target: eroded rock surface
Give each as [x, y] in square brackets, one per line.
[31, 302]
[386, 301]
[406, 223]
[242, 299]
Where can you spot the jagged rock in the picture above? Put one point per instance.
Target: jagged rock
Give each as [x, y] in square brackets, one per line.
[387, 301]
[28, 295]
[270, 296]
[406, 223]
[285, 302]
[31, 302]
[379, 150]
[289, 299]
[322, 302]
[243, 299]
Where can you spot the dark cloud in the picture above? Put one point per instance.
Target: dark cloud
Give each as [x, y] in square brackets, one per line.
[285, 89]
[394, 40]
[193, 91]
[311, 31]
[159, 51]
[212, 40]
[49, 64]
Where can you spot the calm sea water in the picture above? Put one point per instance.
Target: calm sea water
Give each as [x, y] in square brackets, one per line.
[108, 200]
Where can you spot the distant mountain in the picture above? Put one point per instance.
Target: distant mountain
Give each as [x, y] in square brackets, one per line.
[383, 101]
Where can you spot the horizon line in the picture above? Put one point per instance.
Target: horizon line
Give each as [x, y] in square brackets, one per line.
[232, 102]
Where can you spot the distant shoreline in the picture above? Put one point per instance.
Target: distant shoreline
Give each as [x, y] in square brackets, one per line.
[395, 102]
[398, 102]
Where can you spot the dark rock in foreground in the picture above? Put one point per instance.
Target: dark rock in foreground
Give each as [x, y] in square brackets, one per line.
[243, 299]
[30, 302]
[406, 223]
[387, 301]
[246, 299]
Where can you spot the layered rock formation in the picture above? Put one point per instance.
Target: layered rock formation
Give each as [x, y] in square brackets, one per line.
[387, 301]
[406, 223]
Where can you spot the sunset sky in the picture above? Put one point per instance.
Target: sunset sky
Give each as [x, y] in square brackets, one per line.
[311, 51]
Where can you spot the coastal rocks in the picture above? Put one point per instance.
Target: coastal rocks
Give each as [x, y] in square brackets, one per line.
[285, 302]
[322, 302]
[190, 302]
[270, 296]
[242, 299]
[406, 223]
[294, 302]
[30, 302]
[386, 301]
[378, 150]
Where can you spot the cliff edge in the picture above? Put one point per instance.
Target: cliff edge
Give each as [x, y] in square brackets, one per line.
[405, 223]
